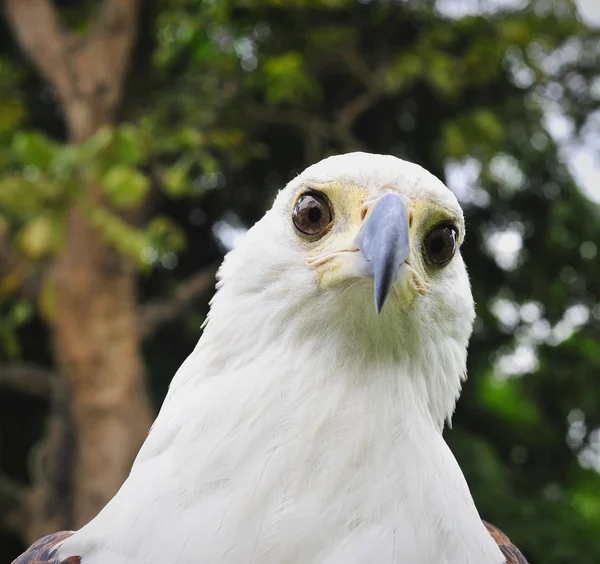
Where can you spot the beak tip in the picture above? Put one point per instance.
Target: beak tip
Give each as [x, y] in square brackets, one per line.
[380, 299]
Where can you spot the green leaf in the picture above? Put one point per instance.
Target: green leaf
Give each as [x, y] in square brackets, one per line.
[23, 197]
[21, 312]
[65, 164]
[287, 79]
[124, 237]
[40, 236]
[445, 74]
[48, 299]
[165, 235]
[32, 148]
[9, 343]
[128, 147]
[454, 142]
[488, 124]
[12, 114]
[99, 142]
[175, 180]
[125, 186]
[403, 71]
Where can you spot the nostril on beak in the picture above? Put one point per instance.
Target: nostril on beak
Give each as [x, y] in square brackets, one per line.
[363, 213]
[410, 218]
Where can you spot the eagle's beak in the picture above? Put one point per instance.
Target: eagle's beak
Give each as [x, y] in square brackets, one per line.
[384, 243]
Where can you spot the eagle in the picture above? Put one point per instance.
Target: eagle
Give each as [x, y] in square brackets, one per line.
[306, 425]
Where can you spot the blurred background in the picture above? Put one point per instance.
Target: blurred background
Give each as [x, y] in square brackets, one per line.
[139, 140]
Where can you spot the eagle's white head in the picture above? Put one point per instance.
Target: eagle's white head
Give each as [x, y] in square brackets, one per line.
[349, 235]
[306, 426]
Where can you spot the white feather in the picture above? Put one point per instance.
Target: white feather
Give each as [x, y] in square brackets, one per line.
[304, 428]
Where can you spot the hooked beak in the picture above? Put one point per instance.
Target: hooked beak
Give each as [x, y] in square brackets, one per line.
[384, 243]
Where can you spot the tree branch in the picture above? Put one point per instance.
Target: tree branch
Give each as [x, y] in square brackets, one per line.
[353, 109]
[87, 70]
[348, 115]
[314, 129]
[358, 66]
[14, 514]
[158, 312]
[27, 379]
[296, 118]
[108, 47]
[350, 112]
[36, 25]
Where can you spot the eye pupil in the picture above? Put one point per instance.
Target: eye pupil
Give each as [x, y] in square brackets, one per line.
[440, 244]
[437, 245]
[312, 214]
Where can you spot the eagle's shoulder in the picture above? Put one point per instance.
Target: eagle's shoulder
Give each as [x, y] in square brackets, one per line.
[509, 550]
[42, 551]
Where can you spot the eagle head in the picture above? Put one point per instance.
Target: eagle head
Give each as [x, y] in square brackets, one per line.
[357, 261]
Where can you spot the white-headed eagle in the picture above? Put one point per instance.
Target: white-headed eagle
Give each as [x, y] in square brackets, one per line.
[306, 426]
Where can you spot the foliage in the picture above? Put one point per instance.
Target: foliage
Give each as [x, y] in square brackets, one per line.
[239, 95]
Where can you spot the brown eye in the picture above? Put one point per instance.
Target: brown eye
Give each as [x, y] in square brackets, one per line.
[312, 214]
[440, 244]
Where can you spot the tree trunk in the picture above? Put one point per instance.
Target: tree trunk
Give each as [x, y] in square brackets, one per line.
[101, 412]
[97, 346]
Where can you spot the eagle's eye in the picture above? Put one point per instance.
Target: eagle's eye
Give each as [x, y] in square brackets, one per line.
[312, 214]
[440, 244]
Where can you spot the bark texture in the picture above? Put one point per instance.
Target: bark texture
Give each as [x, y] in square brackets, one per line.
[101, 412]
[98, 349]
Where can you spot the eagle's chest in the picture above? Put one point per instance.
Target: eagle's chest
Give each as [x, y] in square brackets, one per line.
[334, 483]
[349, 511]
[349, 502]
[345, 500]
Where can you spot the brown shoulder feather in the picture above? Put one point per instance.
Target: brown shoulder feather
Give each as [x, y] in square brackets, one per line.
[41, 551]
[511, 552]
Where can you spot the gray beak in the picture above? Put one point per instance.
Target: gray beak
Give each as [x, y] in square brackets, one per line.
[384, 243]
